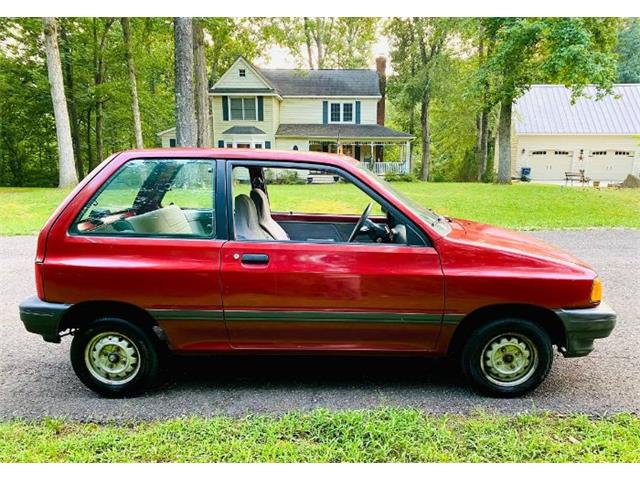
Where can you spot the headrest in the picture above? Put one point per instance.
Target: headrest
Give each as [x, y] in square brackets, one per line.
[262, 202]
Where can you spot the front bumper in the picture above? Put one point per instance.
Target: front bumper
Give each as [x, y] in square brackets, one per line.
[42, 317]
[582, 326]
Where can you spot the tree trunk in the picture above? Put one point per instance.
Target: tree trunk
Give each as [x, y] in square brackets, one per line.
[67, 168]
[133, 87]
[484, 144]
[67, 62]
[307, 38]
[426, 137]
[98, 81]
[185, 112]
[504, 142]
[201, 87]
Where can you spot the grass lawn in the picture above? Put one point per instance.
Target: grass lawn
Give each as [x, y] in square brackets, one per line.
[400, 435]
[523, 206]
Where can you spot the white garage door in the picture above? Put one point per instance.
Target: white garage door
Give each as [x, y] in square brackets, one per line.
[609, 165]
[548, 164]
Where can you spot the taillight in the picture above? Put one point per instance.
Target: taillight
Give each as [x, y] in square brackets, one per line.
[40, 280]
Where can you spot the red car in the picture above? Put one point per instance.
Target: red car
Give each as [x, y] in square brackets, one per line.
[216, 251]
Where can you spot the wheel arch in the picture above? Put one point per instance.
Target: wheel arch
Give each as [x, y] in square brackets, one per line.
[544, 317]
[82, 313]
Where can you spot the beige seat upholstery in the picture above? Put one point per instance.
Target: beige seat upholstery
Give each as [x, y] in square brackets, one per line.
[245, 220]
[167, 220]
[264, 215]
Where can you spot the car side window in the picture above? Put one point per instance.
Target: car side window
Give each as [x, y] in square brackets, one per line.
[168, 197]
[310, 205]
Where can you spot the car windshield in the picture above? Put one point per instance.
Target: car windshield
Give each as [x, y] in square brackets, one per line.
[436, 221]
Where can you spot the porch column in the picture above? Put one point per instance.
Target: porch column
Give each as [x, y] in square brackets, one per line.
[407, 156]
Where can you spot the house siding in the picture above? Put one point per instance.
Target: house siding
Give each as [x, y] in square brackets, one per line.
[309, 110]
[232, 79]
[268, 125]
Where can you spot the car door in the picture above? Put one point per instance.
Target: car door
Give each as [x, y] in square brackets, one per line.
[165, 261]
[296, 295]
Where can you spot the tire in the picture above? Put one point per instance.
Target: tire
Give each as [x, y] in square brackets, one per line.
[134, 350]
[507, 357]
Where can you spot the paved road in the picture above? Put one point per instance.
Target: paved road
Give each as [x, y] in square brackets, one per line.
[36, 378]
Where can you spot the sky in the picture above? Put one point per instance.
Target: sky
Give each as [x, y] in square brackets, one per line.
[278, 57]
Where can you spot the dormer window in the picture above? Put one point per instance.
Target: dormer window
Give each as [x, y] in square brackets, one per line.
[242, 72]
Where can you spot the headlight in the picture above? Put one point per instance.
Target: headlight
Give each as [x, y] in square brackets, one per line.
[596, 291]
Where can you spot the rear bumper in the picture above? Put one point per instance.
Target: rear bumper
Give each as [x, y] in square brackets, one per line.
[42, 317]
[582, 326]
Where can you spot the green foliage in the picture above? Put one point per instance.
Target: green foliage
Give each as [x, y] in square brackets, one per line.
[28, 155]
[382, 435]
[398, 177]
[629, 52]
[325, 42]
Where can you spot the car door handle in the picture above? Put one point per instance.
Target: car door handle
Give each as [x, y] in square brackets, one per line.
[255, 259]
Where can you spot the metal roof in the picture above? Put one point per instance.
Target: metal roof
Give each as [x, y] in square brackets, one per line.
[354, 83]
[339, 131]
[547, 109]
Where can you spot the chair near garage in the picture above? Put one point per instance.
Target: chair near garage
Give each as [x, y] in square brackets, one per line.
[579, 176]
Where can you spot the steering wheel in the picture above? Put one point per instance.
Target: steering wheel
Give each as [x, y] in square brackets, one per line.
[363, 218]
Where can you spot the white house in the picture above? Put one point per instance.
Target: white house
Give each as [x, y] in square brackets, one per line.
[552, 136]
[309, 110]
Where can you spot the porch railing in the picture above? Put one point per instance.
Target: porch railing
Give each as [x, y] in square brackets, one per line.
[382, 168]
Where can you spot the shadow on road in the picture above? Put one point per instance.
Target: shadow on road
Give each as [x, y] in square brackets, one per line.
[187, 372]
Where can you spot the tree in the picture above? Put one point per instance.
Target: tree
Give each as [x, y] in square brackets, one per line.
[326, 42]
[99, 65]
[419, 55]
[185, 113]
[201, 87]
[67, 168]
[629, 52]
[133, 87]
[572, 51]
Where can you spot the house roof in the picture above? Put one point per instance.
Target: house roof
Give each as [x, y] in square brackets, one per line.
[238, 130]
[547, 109]
[353, 83]
[339, 131]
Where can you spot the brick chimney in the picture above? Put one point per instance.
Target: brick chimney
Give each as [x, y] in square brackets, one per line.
[381, 69]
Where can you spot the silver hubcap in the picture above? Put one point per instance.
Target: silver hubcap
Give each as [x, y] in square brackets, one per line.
[509, 359]
[112, 358]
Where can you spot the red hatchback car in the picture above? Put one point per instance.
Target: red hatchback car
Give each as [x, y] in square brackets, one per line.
[213, 250]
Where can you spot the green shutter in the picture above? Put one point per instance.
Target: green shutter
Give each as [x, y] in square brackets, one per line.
[260, 109]
[267, 144]
[358, 112]
[325, 112]
[225, 108]
[221, 143]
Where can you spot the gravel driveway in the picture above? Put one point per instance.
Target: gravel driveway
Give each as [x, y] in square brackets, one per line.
[36, 378]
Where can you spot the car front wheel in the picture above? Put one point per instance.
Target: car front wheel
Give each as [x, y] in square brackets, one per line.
[115, 358]
[507, 357]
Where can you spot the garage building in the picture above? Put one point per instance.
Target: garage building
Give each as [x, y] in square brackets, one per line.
[551, 136]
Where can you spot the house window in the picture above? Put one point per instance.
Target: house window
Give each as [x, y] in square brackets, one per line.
[539, 152]
[341, 113]
[172, 142]
[242, 72]
[561, 152]
[347, 112]
[623, 153]
[599, 152]
[242, 108]
[335, 112]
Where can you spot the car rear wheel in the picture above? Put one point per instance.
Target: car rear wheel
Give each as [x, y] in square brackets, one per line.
[115, 358]
[507, 357]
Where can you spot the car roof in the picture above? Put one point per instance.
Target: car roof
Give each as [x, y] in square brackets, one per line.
[249, 154]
